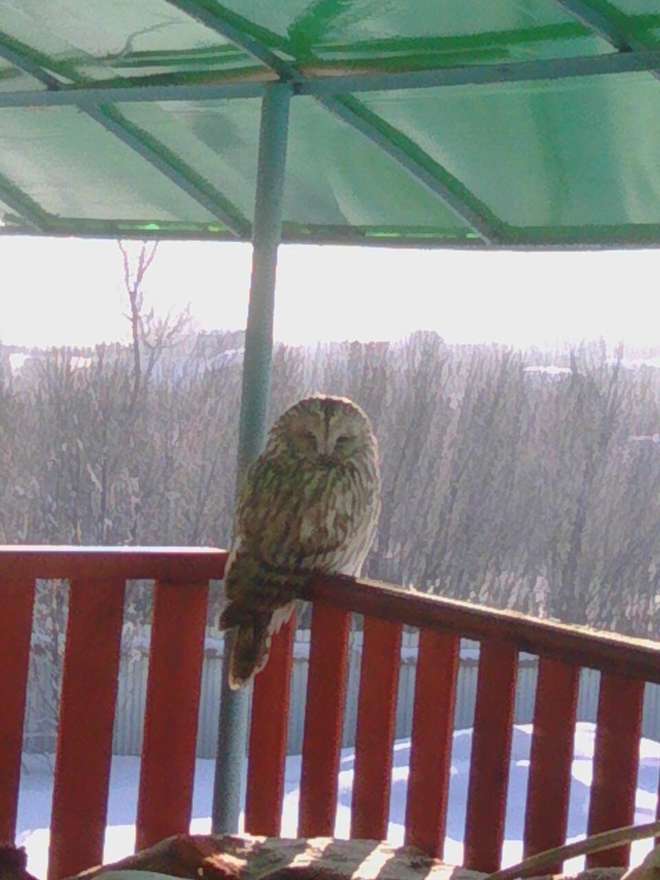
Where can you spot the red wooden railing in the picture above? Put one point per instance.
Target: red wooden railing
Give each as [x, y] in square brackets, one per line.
[89, 686]
[626, 665]
[97, 578]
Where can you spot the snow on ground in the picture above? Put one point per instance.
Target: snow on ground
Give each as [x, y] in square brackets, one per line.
[37, 781]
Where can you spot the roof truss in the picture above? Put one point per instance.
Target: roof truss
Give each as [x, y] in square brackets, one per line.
[333, 91]
[153, 152]
[35, 218]
[253, 85]
[600, 24]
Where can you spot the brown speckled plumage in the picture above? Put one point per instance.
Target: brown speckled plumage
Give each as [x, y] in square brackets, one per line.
[310, 502]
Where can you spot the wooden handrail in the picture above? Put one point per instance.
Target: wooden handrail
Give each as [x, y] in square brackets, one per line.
[583, 646]
[580, 645]
[164, 564]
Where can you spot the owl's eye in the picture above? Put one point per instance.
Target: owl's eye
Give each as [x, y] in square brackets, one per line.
[342, 440]
[309, 437]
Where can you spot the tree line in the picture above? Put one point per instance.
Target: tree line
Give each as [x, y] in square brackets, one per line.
[526, 480]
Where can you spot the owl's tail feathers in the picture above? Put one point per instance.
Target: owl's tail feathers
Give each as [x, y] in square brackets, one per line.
[249, 651]
[248, 656]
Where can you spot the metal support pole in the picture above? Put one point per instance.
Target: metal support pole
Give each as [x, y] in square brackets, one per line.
[234, 707]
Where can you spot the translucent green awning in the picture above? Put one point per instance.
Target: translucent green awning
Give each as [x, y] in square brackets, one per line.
[502, 123]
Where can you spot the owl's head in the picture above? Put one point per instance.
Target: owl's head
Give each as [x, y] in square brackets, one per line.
[325, 430]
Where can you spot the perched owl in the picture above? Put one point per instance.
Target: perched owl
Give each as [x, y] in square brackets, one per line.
[309, 503]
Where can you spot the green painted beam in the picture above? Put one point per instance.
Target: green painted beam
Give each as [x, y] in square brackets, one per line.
[593, 238]
[36, 219]
[433, 176]
[255, 397]
[27, 64]
[598, 23]
[602, 25]
[480, 74]
[37, 63]
[404, 151]
[80, 96]
[486, 74]
[231, 26]
[28, 210]
[408, 155]
[172, 167]
[150, 149]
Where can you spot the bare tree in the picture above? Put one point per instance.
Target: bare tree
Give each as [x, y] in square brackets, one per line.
[151, 335]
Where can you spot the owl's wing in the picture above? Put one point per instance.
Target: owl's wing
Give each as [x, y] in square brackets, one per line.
[249, 580]
[252, 485]
[259, 489]
[371, 527]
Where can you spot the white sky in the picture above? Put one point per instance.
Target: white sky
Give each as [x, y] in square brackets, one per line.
[70, 292]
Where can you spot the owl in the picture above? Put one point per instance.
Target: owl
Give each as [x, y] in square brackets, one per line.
[309, 503]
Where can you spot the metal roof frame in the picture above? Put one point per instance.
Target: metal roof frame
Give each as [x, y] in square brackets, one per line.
[600, 24]
[316, 84]
[334, 92]
[156, 154]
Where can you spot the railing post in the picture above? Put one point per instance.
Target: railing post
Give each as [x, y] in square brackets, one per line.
[17, 600]
[232, 728]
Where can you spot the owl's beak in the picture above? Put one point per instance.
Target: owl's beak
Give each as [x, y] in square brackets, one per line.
[326, 460]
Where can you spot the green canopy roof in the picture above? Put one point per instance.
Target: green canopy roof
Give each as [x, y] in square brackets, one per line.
[524, 123]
